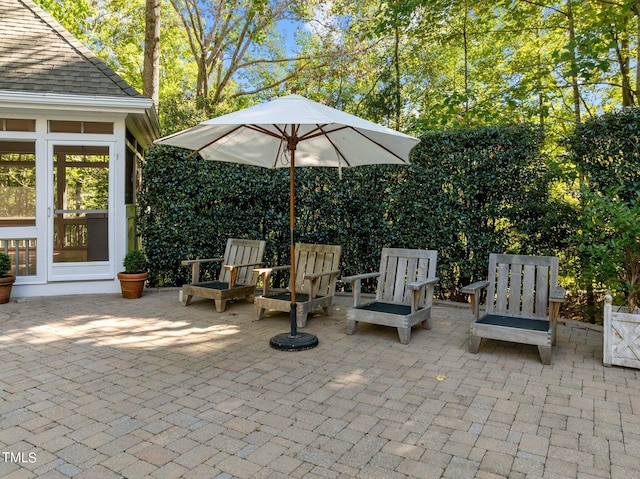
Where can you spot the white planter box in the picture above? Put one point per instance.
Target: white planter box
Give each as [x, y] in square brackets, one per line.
[621, 336]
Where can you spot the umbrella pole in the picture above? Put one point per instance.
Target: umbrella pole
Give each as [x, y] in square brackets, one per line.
[293, 341]
[292, 245]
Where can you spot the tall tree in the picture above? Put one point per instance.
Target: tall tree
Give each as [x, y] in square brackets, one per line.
[75, 15]
[151, 67]
[620, 20]
[410, 64]
[235, 46]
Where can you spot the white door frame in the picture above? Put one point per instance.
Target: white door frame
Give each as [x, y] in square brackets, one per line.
[89, 270]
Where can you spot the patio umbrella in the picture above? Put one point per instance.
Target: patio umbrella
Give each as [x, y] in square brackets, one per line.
[289, 132]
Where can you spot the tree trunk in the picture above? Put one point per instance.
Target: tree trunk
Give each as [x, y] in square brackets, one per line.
[574, 64]
[466, 64]
[151, 67]
[591, 297]
[541, 98]
[396, 59]
[636, 10]
[627, 92]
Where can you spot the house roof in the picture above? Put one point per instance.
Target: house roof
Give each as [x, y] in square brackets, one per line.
[38, 55]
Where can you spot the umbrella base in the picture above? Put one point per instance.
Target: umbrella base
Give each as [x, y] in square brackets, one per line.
[299, 342]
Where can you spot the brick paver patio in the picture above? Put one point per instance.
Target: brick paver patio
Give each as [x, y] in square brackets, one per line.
[103, 387]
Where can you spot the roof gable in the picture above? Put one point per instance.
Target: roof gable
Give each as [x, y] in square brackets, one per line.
[38, 55]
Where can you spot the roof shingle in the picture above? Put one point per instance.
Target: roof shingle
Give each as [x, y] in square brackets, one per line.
[38, 55]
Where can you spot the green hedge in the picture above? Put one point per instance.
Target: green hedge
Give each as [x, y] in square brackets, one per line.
[466, 194]
[606, 152]
[472, 192]
[189, 207]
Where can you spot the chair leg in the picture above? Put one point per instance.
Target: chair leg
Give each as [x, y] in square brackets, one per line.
[351, 326]
[186, 300]
[474, 344]
[545, 354]
[221, 305]
[405, 335]
[301, 319]
[259, 312]
[328, 311]
[426, 324]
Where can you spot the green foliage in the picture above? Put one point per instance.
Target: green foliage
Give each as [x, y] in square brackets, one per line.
[610, 239]
[5, 264]
[606, 150]
[606, 153]
[470, 192]
[135, 261]
[467, 193]
[175, 112]
[75, 15]
[189, 207]
[410, 64]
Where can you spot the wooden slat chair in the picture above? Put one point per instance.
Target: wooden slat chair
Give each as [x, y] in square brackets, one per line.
[523, 302]
[317, 268]
[404, 294]
[236, 280]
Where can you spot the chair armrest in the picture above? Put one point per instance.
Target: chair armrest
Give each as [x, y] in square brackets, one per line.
[417, 289]
[272, 268]
[195, 266]
[265, 274]
[203, 260]
[234, 269]
[356, 285]
[244, 265]
[359, 277]
[421, 284]
[474, 288]
[557, 294]
[315, 280]
[320, 275]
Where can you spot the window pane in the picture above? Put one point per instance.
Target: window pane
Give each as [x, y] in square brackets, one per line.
[17, 183]
[98, 127]
[130, 177]
[65, 126]
[22, 254]
[81, 202]
[17, 125]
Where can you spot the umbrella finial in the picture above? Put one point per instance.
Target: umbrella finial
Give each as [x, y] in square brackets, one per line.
[294, 90]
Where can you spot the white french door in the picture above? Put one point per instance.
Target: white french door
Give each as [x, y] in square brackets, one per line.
[80, 223]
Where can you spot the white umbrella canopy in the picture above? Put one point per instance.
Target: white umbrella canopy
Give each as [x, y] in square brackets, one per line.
[289, 132]
[323, 136]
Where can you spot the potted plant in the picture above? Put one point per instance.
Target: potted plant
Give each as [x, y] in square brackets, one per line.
[135, 274]
[6, 279]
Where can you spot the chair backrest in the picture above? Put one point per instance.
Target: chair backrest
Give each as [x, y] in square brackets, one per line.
[519, 284]
[399, 267]
[314, 259]
[242, 251]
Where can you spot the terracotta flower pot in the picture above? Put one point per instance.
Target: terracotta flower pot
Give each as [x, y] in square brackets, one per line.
[6, 283]
[132, 284]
